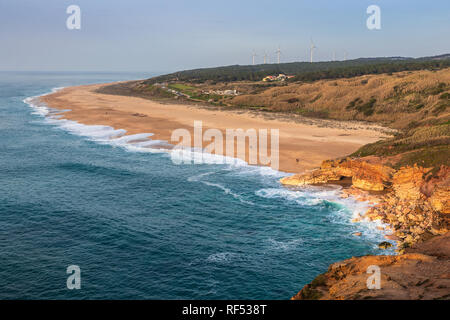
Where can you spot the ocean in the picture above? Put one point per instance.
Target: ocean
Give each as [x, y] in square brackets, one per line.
[140, 226]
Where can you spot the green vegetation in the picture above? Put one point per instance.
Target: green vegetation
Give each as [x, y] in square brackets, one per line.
[441, 87]
[316, 98]
[445, 96]
[419, 106]
[426, 145]
[320, 114]
[181, 87]
[427, 157]
[292, 100]
[159, 92]
[305, 71]
[378, 67]
[439, 109]
[195, 93]
[366, 108]
[353, 103]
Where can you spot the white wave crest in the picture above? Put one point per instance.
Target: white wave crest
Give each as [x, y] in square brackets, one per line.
[222, 257]
[103, 134]
[300, 197]
[284, 245]
[228, 191]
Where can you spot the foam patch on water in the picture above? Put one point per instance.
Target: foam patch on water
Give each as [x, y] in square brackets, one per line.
[222, 257]
[284, 245]
[266, 172]
[306, 197]
[341, 211]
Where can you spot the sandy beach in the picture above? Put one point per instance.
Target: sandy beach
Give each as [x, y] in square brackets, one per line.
[302, 146]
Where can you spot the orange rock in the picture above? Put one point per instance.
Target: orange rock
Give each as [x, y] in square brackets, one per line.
[419, 274]
[364, 175]
[370, 184]
[439, 188]
[408, 181]
[391, 237]
[314, 177]
[440, 200]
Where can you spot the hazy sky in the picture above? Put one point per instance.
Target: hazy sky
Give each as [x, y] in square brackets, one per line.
[169, 35]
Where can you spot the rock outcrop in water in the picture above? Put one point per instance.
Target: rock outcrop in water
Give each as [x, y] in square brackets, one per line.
[415, 204]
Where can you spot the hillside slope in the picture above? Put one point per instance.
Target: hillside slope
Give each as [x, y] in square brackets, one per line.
[415, 103]
[394, 100]
[305, 71]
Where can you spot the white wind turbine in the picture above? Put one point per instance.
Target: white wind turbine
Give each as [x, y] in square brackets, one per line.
[254, 55]
[265, 57]
[278, 52]
[311, 50]
[345, 55]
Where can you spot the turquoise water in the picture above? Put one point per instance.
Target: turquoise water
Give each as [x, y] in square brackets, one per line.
[141, 227]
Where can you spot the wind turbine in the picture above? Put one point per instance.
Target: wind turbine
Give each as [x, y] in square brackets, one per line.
[311, 50]
[345, 55]
[334, 55]
[278, 52]
[254, 55]
[265, 57]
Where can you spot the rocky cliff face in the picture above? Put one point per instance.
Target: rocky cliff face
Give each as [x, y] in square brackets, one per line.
[421, 273]
[366, 176]
[415, 203]
[438, 190]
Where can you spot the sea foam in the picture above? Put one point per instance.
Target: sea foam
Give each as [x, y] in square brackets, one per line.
[341, 211]
[99, 133]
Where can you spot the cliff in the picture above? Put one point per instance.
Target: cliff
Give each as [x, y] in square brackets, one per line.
[415, 203]
[422, 273]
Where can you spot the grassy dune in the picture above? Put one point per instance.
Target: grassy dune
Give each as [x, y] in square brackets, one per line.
[400, 100]
[415, 103]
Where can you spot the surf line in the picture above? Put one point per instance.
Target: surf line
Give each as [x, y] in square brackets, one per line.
[257, 152]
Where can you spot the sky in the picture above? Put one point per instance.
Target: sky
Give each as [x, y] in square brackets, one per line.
[169, 35]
